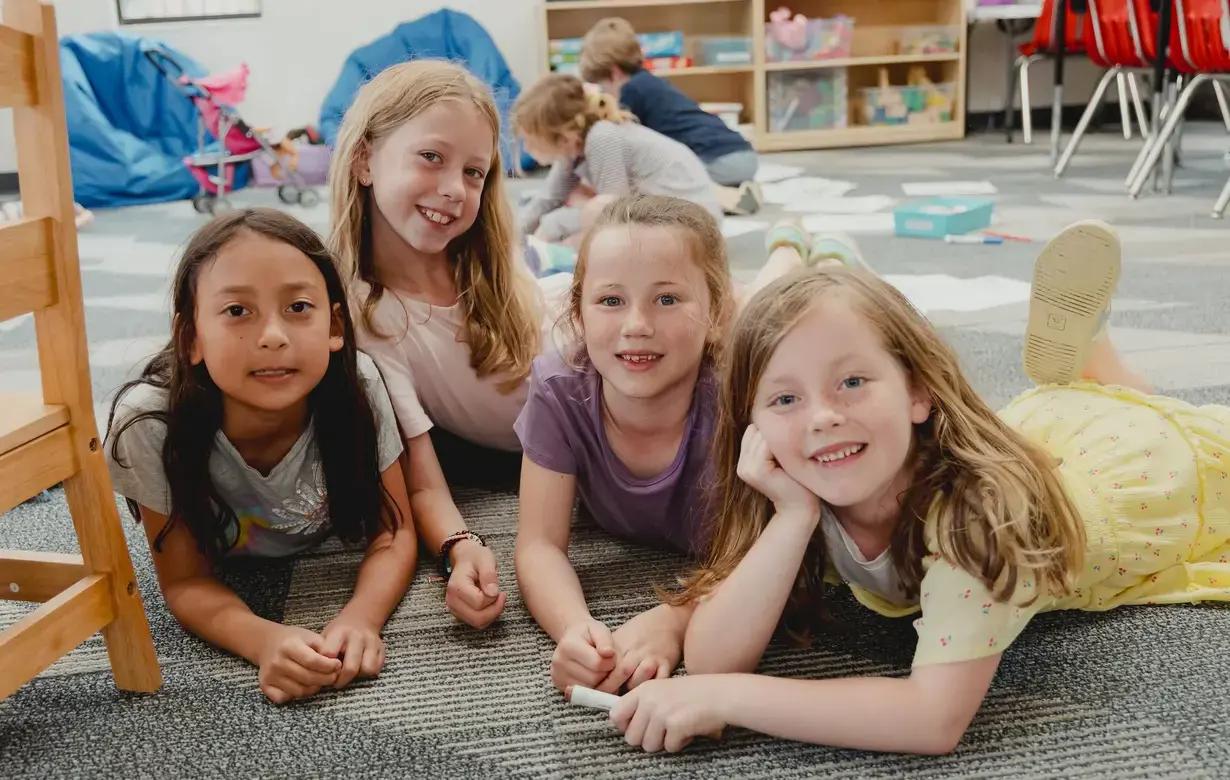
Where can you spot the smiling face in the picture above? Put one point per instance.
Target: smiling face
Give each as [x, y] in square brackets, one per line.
[645, 309]
[264, 327]
[837, 410]
[427, 176]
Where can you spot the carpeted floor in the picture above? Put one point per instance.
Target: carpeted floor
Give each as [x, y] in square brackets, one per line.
[1141, 692]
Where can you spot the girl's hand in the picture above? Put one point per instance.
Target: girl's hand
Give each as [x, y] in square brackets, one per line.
[759, 469]
[357, 643]
[474, 594]
[647, 649]
[584, 656]
[293, 666]
[669, 714]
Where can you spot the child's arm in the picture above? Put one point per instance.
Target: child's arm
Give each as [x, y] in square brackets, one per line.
[649, 646]
[384, 577]
[928, 712]
[585, 649]
[752, 598]
[560, 182]
[755, 593]
[290, 659]
[608, 160]
[474, 594]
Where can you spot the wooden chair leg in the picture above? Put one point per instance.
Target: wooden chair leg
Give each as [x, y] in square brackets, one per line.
[103, 549]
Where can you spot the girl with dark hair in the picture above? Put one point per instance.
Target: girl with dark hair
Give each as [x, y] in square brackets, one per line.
[259, 430]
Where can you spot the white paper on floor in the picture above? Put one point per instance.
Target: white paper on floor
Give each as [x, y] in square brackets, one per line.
[849, 223]
[735, 226]
[947, 188]
[771, 172]
[940, 292]
[865, 204]
[805, 188]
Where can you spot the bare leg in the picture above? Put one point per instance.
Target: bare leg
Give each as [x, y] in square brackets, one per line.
[785, 242]
[1106, 367]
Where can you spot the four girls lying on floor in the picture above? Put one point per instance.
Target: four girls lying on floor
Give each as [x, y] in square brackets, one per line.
[846, 444]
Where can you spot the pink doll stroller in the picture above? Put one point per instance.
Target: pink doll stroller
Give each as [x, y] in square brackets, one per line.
[213, 166]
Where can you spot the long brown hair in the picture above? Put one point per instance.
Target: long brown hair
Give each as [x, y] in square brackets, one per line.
[346, 435]
[703, 237]
[497, 296]
[560, 102]
[999, 506]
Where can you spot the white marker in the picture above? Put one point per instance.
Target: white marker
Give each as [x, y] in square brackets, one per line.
[588, 697]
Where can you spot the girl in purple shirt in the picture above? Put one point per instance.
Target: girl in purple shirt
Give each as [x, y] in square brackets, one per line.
[624, 420]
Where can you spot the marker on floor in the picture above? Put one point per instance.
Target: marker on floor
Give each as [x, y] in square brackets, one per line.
[972, 239]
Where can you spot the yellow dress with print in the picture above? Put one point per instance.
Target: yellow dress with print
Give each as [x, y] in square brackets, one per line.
[1148, 476]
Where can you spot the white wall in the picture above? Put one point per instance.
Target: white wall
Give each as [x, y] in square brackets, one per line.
[295, 51]
[296, 48]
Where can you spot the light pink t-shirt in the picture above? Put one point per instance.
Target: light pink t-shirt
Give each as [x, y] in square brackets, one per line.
[427, 371]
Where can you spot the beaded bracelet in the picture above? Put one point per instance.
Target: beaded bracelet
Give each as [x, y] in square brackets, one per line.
[451, 541]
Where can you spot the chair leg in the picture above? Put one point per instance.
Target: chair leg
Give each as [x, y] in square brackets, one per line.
[1220, 89]
[1158, 145]
[1125, 113]
[1219, 208]
[1086, 117]
[1165, 181]
[1139, 107]
[1027, 120]
[96, 520]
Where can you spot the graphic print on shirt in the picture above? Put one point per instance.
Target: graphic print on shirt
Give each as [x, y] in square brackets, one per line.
[308, 513]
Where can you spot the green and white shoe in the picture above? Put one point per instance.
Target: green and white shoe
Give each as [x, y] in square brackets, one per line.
[1075, 278]
[836, 248]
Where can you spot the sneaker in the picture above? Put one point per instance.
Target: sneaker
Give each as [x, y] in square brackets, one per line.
[740, 201]
[1075, 278]
[836, 248]
[789, 233]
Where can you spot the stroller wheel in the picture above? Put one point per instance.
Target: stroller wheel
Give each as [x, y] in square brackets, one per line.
[203, 203]
[288, 194]
[308, 198]
[220, 206]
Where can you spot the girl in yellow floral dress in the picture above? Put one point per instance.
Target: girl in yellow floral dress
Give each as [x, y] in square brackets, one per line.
[851, 447]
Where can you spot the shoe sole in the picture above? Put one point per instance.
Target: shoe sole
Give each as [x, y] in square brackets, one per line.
[1075, 278]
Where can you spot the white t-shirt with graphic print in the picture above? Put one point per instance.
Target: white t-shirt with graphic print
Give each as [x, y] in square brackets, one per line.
[280, 513]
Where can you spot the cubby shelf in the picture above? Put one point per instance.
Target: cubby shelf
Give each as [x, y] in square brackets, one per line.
[873, 57]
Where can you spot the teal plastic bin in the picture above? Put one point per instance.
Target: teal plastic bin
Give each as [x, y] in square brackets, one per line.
[939, 217]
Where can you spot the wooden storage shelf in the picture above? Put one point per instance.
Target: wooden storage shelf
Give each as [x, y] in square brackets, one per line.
[877, 27]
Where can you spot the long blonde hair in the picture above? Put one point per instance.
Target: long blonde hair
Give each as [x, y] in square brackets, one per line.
[1000, 509]
[501, 322]
[704, 240]
[559, 103]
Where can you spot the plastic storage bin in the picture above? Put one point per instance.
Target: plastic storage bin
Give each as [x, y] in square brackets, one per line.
[908, 105]
[939, 217]
[928, 40]
[715, 50]
[727, 112]
[814, 39]
[807, 100]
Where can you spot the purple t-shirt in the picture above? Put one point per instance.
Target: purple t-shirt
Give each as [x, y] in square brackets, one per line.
[561, 429]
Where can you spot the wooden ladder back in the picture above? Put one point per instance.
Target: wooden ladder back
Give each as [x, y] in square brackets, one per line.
[53, 438]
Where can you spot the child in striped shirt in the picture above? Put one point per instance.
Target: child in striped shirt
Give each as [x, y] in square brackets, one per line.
[597, 153]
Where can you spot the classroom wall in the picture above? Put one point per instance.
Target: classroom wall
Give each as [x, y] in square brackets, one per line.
[295, 51]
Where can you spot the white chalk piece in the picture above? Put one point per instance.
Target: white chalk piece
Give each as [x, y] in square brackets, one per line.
[588, 697]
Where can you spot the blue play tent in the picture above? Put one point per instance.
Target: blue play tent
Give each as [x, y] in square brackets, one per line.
[444, 34]
[129, 128]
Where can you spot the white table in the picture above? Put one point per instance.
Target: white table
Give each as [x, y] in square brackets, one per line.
[1021, 11]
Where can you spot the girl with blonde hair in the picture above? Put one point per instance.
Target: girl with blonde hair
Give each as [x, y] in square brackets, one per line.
[851, 447]
[594, 147]
[445, 307]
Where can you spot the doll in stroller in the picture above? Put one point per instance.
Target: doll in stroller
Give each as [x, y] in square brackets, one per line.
[214, 165]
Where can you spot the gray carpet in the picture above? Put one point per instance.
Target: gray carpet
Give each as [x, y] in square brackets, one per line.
[1141, 692]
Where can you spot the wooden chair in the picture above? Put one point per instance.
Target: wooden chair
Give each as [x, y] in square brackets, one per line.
[54, 438]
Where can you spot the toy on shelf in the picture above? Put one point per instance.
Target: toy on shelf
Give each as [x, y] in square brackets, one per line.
[919, 102]
[795, 38]
[808, 100]
[926, 40]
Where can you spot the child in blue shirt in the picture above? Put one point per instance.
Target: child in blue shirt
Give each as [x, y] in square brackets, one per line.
[611, 58]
